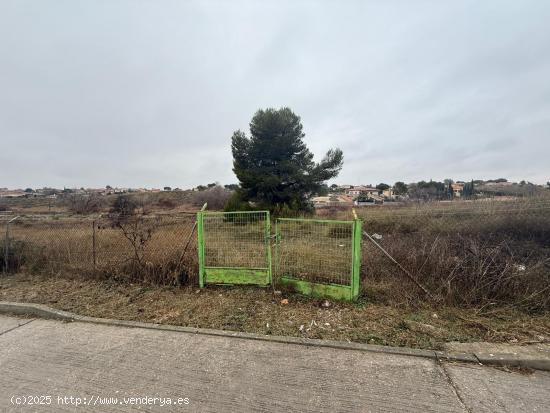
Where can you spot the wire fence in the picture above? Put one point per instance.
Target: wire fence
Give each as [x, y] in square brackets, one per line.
[315, 251]
[152, 248]
[318, 257]
[465, 252]
[234, 247]
[235, 239]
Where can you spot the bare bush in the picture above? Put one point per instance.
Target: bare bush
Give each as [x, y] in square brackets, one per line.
[465, 257]
[216, 197]
[84, 203]
[127, 205]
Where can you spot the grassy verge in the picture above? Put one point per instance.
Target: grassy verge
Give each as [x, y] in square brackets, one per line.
[261, 311]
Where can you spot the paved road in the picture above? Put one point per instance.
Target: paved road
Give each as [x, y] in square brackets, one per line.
[220, 374]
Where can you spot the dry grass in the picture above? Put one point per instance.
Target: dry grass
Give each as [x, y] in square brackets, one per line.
[488, 263]
[260, 311]
[483, 254]
[146, 249]
[468, 254]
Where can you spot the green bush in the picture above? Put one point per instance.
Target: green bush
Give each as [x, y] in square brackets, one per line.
[236, 203]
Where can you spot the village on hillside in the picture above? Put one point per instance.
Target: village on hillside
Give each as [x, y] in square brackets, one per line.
[333, 196]
[367, 195]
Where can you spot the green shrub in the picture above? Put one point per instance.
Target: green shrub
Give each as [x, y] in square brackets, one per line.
[236, 203]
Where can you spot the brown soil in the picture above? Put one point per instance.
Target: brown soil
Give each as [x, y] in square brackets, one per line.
[261, 311]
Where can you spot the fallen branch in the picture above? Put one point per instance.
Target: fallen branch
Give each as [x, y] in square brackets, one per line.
[407, 273]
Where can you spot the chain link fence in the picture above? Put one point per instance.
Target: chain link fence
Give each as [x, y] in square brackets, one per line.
[464, 253]
[159, 249]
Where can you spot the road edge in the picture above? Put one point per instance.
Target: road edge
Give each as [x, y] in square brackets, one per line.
[512, 360]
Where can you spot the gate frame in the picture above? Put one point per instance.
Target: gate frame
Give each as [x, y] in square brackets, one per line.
[332, 290]
[234, 275]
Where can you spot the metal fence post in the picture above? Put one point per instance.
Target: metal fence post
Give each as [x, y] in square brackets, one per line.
[6, 248]
[94, 253]
[268, 247]
[356, 268]
[200, 238]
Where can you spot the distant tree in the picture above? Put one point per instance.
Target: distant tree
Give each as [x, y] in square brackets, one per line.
[29, 190]
[323, 190]
[400, 188]
[212, 185]
[469, 189]
[334, 187]
[274, 166]
[84, 203]
[167, 188]
[231, 187]
[108, 187]
[382, 186]
[548, 184]
[201, 187]
[428, 190]
[124, 205]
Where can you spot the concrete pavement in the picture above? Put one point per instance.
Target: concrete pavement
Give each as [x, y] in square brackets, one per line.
[100, 365]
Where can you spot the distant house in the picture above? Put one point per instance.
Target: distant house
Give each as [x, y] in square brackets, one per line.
[332, 201]
[362, 190]
[457, 188]
[388, 193]
[344, 188]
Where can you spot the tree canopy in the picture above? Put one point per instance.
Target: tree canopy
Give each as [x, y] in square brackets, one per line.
[274, 167]
[382, 186]
[400, 188]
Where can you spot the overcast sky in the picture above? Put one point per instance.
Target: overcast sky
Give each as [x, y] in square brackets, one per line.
[148, 93]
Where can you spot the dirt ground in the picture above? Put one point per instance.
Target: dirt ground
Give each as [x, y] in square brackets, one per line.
[264, 311]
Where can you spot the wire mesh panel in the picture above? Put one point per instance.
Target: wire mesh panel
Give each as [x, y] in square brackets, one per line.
[319, 257]
[48, 243]
[234, 247]
[155, 247]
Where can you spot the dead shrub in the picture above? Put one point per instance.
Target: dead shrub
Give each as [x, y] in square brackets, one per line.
[465, 259]
[216, 197]
[84, 203]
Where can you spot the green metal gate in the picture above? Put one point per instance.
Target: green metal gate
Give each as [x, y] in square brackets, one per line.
[234, 248]
[319, 257]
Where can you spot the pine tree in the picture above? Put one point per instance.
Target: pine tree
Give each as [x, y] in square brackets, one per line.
[274, 167]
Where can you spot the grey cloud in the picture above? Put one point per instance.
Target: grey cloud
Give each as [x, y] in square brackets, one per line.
[137, 93]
